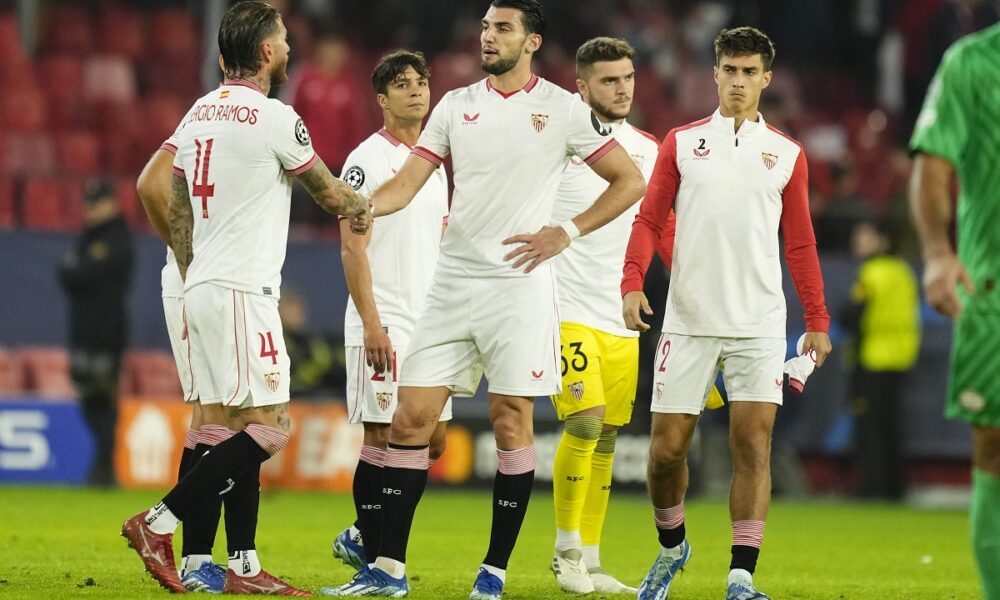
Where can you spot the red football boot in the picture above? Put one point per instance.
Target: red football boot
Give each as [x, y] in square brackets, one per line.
[261, 583]
[156, 551]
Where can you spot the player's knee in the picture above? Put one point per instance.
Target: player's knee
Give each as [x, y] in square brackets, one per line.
[666, 456]
[986, 449]
[271, 439]
[606, 443]
[585, 427]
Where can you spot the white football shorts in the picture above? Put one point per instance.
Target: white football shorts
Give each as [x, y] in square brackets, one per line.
[504, 327]
[238, 348]
[372, 397]
[173, 312]
[686, 367]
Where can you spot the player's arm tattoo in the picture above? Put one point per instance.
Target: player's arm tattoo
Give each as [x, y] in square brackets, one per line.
[181, 218]
[331, 194]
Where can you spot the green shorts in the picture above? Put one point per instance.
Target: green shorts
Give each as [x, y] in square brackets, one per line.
[974, 382]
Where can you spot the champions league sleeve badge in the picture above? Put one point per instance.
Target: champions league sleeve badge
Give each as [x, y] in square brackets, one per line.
[301, 133]
[354, 177]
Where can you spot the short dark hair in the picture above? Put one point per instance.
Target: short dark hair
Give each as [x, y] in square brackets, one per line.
[601, 49]
[244, 28]
[392, 65]
[741, 41]
[532, 15]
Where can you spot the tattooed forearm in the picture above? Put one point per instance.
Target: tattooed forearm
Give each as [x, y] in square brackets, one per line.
[181, 224]
[331, 194]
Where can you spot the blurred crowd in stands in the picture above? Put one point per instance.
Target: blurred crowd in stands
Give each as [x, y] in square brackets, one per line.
[96, 86]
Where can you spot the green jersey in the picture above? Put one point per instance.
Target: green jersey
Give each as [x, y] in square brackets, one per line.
[960, 122]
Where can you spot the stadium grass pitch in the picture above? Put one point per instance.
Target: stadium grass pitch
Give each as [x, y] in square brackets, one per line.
[64, 543]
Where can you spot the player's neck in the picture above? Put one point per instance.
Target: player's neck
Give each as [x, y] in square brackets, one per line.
[512, 80]
[750, 114]
[261, 80]
[406, 131]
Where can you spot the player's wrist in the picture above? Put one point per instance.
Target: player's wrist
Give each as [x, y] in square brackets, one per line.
[571, 229]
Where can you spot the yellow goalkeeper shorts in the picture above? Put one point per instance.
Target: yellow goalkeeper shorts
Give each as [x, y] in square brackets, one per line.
[598, 369]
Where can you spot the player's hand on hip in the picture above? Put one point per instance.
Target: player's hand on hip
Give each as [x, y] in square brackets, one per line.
[536, 247]
[632, 304]
[942, 274]
[378, 349]
[818, 343]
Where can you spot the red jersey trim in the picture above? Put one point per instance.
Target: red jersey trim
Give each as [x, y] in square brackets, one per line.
[179, 172]
[169, 147]
[427, 155]
[526, 89]
[243, 83]
[647, 135]
[395, 141]
[305, 166]
[598, 154]
[783, 134]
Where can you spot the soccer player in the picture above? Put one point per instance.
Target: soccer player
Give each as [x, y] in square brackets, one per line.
[734, 182]
[236, 155]
[492, 304]
[198, 572]
[956, 134]
[388, 272]
[600, 356]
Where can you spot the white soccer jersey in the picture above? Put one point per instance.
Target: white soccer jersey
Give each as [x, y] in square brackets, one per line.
[404, 246]
[732, 192]
[238, 150]
[589, 271]
[508, 154]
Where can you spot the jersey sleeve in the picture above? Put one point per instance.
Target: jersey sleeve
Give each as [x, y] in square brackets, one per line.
[585, 137]
[800, 247]
[364, 171]
[943, 125]
[171, 143]
[291, 143]
[434, 143]
[653, 229]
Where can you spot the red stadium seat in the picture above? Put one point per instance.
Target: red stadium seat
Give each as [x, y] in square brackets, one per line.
[68, 28]
[25, 110]
[151, 373]
[28, 154]
[79, 153]
[125, 33]
[42, 205]
[11, 375]
[46, 372]
[10, 36]
[172, 32]
[7, 212]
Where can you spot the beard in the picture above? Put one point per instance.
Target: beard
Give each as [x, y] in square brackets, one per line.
[608, 111]
[279, 74]
[501, 66]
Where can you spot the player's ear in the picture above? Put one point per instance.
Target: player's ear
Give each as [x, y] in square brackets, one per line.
[767, 79]
[581, 86]
[533, 43]
[382, 100]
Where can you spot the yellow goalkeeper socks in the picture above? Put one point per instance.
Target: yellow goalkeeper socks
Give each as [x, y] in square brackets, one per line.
[571, 470]
[598, 490]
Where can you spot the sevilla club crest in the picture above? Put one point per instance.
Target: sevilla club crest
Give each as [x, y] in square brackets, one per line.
[384, 399]
[272, 379]
[576, 389]
[539, 121]
[769, 159]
